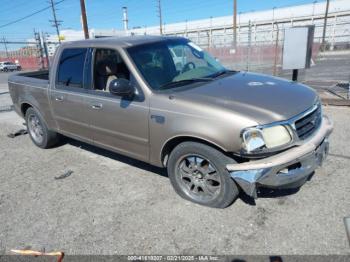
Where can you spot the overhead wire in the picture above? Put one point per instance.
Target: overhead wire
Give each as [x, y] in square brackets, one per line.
[29, 15]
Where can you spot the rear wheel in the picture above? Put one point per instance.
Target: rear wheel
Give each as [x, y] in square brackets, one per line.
[198, 173]
[38, 131]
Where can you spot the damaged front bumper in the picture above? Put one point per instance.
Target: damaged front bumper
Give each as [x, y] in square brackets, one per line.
[290, 168]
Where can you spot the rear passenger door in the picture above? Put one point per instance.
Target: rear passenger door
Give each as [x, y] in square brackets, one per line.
[68, 95]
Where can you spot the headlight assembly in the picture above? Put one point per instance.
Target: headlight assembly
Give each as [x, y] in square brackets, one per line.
[255, 139]
[276, 136]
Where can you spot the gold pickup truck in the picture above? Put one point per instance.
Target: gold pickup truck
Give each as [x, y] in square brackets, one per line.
[217, 131]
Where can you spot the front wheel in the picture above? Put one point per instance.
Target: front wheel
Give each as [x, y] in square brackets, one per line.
[198, 173]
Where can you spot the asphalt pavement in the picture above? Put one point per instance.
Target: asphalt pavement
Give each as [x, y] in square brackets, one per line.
[110, 204]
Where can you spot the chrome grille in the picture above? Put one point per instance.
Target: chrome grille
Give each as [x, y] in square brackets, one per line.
[308, 124]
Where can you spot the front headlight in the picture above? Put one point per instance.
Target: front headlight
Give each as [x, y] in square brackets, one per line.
[265, 137]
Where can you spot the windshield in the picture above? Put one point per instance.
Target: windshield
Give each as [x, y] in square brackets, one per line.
[173, 63]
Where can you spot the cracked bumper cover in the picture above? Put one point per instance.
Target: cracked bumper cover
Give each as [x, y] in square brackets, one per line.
[290, 168]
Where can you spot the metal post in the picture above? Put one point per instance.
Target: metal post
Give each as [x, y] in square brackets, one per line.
[40, 49]
[273, 21]
[249, 44]
[45, 50]
[239, 32]
[325, 26]
[333, 32]
[276, 51]
[7, 53]
[347, 227]
[234, 24]
[313, 11]
[211, 32]
[295, 75]
[84, 19]
[208, 35]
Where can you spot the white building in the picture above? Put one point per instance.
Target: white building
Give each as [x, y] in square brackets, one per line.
[258, 27]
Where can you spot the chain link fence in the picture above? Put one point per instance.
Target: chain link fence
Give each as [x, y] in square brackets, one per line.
[30, 55]
[259, 47]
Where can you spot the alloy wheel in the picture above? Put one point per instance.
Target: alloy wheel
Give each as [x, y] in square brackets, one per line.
[198, 178]
[35, 128]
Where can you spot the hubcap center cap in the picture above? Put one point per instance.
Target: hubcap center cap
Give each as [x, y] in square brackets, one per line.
[197, 174]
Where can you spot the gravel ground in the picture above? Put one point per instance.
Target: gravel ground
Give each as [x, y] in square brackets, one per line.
[115, 205]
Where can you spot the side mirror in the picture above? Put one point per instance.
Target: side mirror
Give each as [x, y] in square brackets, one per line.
[121, 87]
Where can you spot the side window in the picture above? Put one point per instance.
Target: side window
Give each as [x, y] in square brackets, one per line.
[71, 67]
[108, 65]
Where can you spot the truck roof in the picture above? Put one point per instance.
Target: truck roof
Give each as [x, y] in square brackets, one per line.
[125, 41]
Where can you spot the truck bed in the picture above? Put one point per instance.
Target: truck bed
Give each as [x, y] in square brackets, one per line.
[30, 88]
[43, 74]
[35, 79]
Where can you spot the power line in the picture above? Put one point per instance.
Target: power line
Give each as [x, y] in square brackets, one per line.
[8, 8]
[30, 15]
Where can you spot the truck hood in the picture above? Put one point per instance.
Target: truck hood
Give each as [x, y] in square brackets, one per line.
[264, 99]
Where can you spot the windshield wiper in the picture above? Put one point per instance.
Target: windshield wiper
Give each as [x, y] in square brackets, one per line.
[220, 73]
[184, 82]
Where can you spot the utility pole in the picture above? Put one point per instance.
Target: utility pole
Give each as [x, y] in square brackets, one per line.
[84, 19]
[55, 22]
[325, 27]
[39, 49]
[234, 23]
[160, 18]
[7, 53]
[43, 37]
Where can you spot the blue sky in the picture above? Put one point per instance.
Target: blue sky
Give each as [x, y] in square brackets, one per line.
[108, 13]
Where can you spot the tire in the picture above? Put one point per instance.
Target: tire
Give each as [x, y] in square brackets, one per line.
[190, 167]
[38, 130]
[5, 69]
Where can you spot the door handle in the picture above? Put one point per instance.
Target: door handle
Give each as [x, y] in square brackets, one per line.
[59, 98]
[97, 106]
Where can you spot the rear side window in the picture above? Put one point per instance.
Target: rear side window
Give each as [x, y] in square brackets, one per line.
[71, 67]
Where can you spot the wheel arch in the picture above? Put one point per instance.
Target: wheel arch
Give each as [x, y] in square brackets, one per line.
[171, 143]
[24, 107]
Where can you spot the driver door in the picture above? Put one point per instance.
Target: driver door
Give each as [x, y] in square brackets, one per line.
[117, 123]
